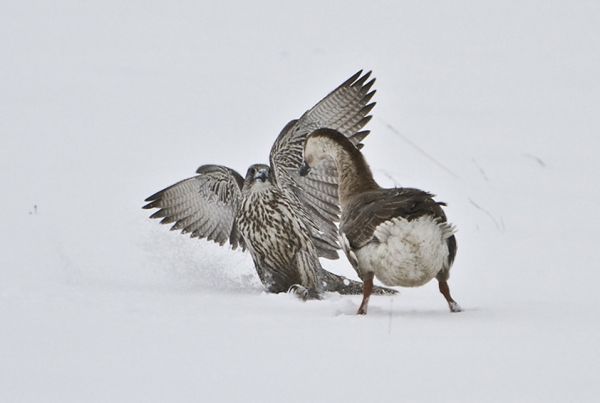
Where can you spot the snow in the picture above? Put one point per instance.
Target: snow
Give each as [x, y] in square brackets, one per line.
[491, 106]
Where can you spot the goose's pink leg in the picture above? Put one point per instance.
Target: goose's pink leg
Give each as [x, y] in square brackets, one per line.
[445, 290]
[367, 289]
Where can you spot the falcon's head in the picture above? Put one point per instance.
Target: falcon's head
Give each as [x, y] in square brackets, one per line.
[258, 175]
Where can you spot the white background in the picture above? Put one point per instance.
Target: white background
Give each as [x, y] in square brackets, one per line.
[493, 106]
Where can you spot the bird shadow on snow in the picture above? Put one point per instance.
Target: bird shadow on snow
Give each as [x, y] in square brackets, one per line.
[386, 306]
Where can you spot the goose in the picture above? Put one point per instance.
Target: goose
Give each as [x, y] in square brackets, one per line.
[285, 221]
[400, 236]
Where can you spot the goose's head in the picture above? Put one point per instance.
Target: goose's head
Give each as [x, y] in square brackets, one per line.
[322, 144]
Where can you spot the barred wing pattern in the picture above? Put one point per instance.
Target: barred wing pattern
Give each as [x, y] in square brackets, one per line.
[346, 109]
[204, 206]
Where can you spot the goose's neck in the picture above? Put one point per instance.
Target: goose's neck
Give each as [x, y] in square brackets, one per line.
[354, 175]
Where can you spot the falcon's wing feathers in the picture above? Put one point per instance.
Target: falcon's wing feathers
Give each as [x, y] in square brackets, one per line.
[204, 206]
[345, 109]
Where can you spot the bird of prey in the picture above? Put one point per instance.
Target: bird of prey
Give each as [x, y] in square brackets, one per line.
[284, 220]
[399, 235]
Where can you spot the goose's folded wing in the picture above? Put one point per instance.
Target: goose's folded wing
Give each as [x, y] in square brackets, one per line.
[345, 109]
[370, 210]
[204, 206]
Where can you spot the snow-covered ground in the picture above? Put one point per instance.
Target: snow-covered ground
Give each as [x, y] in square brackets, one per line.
[493, 106]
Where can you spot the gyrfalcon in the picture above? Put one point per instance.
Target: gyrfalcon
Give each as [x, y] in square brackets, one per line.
[285, 220]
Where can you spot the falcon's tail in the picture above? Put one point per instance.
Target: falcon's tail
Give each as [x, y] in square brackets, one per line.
[345, 286]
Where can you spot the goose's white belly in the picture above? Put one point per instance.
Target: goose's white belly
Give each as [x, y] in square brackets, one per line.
[406, 253]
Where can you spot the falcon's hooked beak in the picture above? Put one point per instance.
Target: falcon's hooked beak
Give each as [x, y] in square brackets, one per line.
[261, 174]
[304, 169]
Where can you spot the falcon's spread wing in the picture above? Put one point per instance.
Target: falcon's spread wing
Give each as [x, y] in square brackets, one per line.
[346, 109]
[204, 205]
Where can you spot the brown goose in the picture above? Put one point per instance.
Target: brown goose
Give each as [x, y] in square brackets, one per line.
[399, 235]
[284, 220]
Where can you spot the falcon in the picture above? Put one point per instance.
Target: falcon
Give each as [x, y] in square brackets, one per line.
[286, 221]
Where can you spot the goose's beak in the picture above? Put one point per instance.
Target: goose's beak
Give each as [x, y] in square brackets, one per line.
[304, 169]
